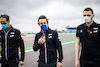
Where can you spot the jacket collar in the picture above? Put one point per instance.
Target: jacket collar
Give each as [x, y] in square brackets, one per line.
[8, 29]
[90, 26]
[46, 30]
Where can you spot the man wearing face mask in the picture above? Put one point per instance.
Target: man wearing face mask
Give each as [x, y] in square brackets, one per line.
[47, 42]
[88, 34]
[10, 41]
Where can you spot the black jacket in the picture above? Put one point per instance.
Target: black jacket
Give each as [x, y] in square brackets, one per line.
[90, 40]
[53, 43]
[12, 40]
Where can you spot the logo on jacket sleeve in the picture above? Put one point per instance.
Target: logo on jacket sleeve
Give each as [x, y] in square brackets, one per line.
[81, 31]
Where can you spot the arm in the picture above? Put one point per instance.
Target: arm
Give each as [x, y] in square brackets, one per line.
[36, 45]
[60, 50]
[77, 50]
[21, 44]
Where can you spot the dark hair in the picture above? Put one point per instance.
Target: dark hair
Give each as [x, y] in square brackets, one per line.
[42, 17]
[89, 9]
[5, 16]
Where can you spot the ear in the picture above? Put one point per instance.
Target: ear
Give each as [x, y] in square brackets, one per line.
[8, 21]
[93, 15]
[39, 24]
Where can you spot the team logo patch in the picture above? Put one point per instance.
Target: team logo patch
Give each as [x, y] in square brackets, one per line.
[12, 33]
[95, 30]
[81, 31]
[50, 35]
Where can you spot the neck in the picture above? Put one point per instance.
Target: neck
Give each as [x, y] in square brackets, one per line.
[8, 28]
[43, 31]
[89, 24]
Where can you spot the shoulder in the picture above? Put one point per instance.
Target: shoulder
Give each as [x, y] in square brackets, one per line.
[97, 24]
[16, 30]
[80, 26]
[38, 34]
[52, 31]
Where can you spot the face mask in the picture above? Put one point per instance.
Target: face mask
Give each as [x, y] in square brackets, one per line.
[5, 26]
[87, 19]
[44, 27]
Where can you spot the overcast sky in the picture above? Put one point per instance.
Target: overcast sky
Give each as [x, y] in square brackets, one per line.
[61, 13]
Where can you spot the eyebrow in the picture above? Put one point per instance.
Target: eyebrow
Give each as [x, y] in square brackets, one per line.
[42, 23]
[3, 23]
[87, 15]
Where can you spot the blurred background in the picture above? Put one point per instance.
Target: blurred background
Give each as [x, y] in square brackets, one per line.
[61, 13]
[64, 16]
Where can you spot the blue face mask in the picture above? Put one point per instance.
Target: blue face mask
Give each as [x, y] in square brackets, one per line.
[5, 26]
[44, 27]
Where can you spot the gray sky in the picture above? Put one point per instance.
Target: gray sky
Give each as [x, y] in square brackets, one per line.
[61, 13]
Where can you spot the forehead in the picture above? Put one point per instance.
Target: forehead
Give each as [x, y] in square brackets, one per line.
[2, 19]
[87, 12]
[42, 20]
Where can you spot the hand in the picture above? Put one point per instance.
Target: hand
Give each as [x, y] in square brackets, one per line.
[41, 41]
[77, 64]
[21, 62]
[59, 64]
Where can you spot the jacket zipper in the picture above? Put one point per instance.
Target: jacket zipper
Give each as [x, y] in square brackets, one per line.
[6, 34]
[45, 50]
[44, 36]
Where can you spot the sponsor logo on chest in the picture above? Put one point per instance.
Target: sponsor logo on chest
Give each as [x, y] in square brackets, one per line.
[50, 35]
[95, 30]
[12, 34]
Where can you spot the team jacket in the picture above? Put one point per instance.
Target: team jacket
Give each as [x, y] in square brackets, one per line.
[90, 40]
[10, 42]
[49, 51]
